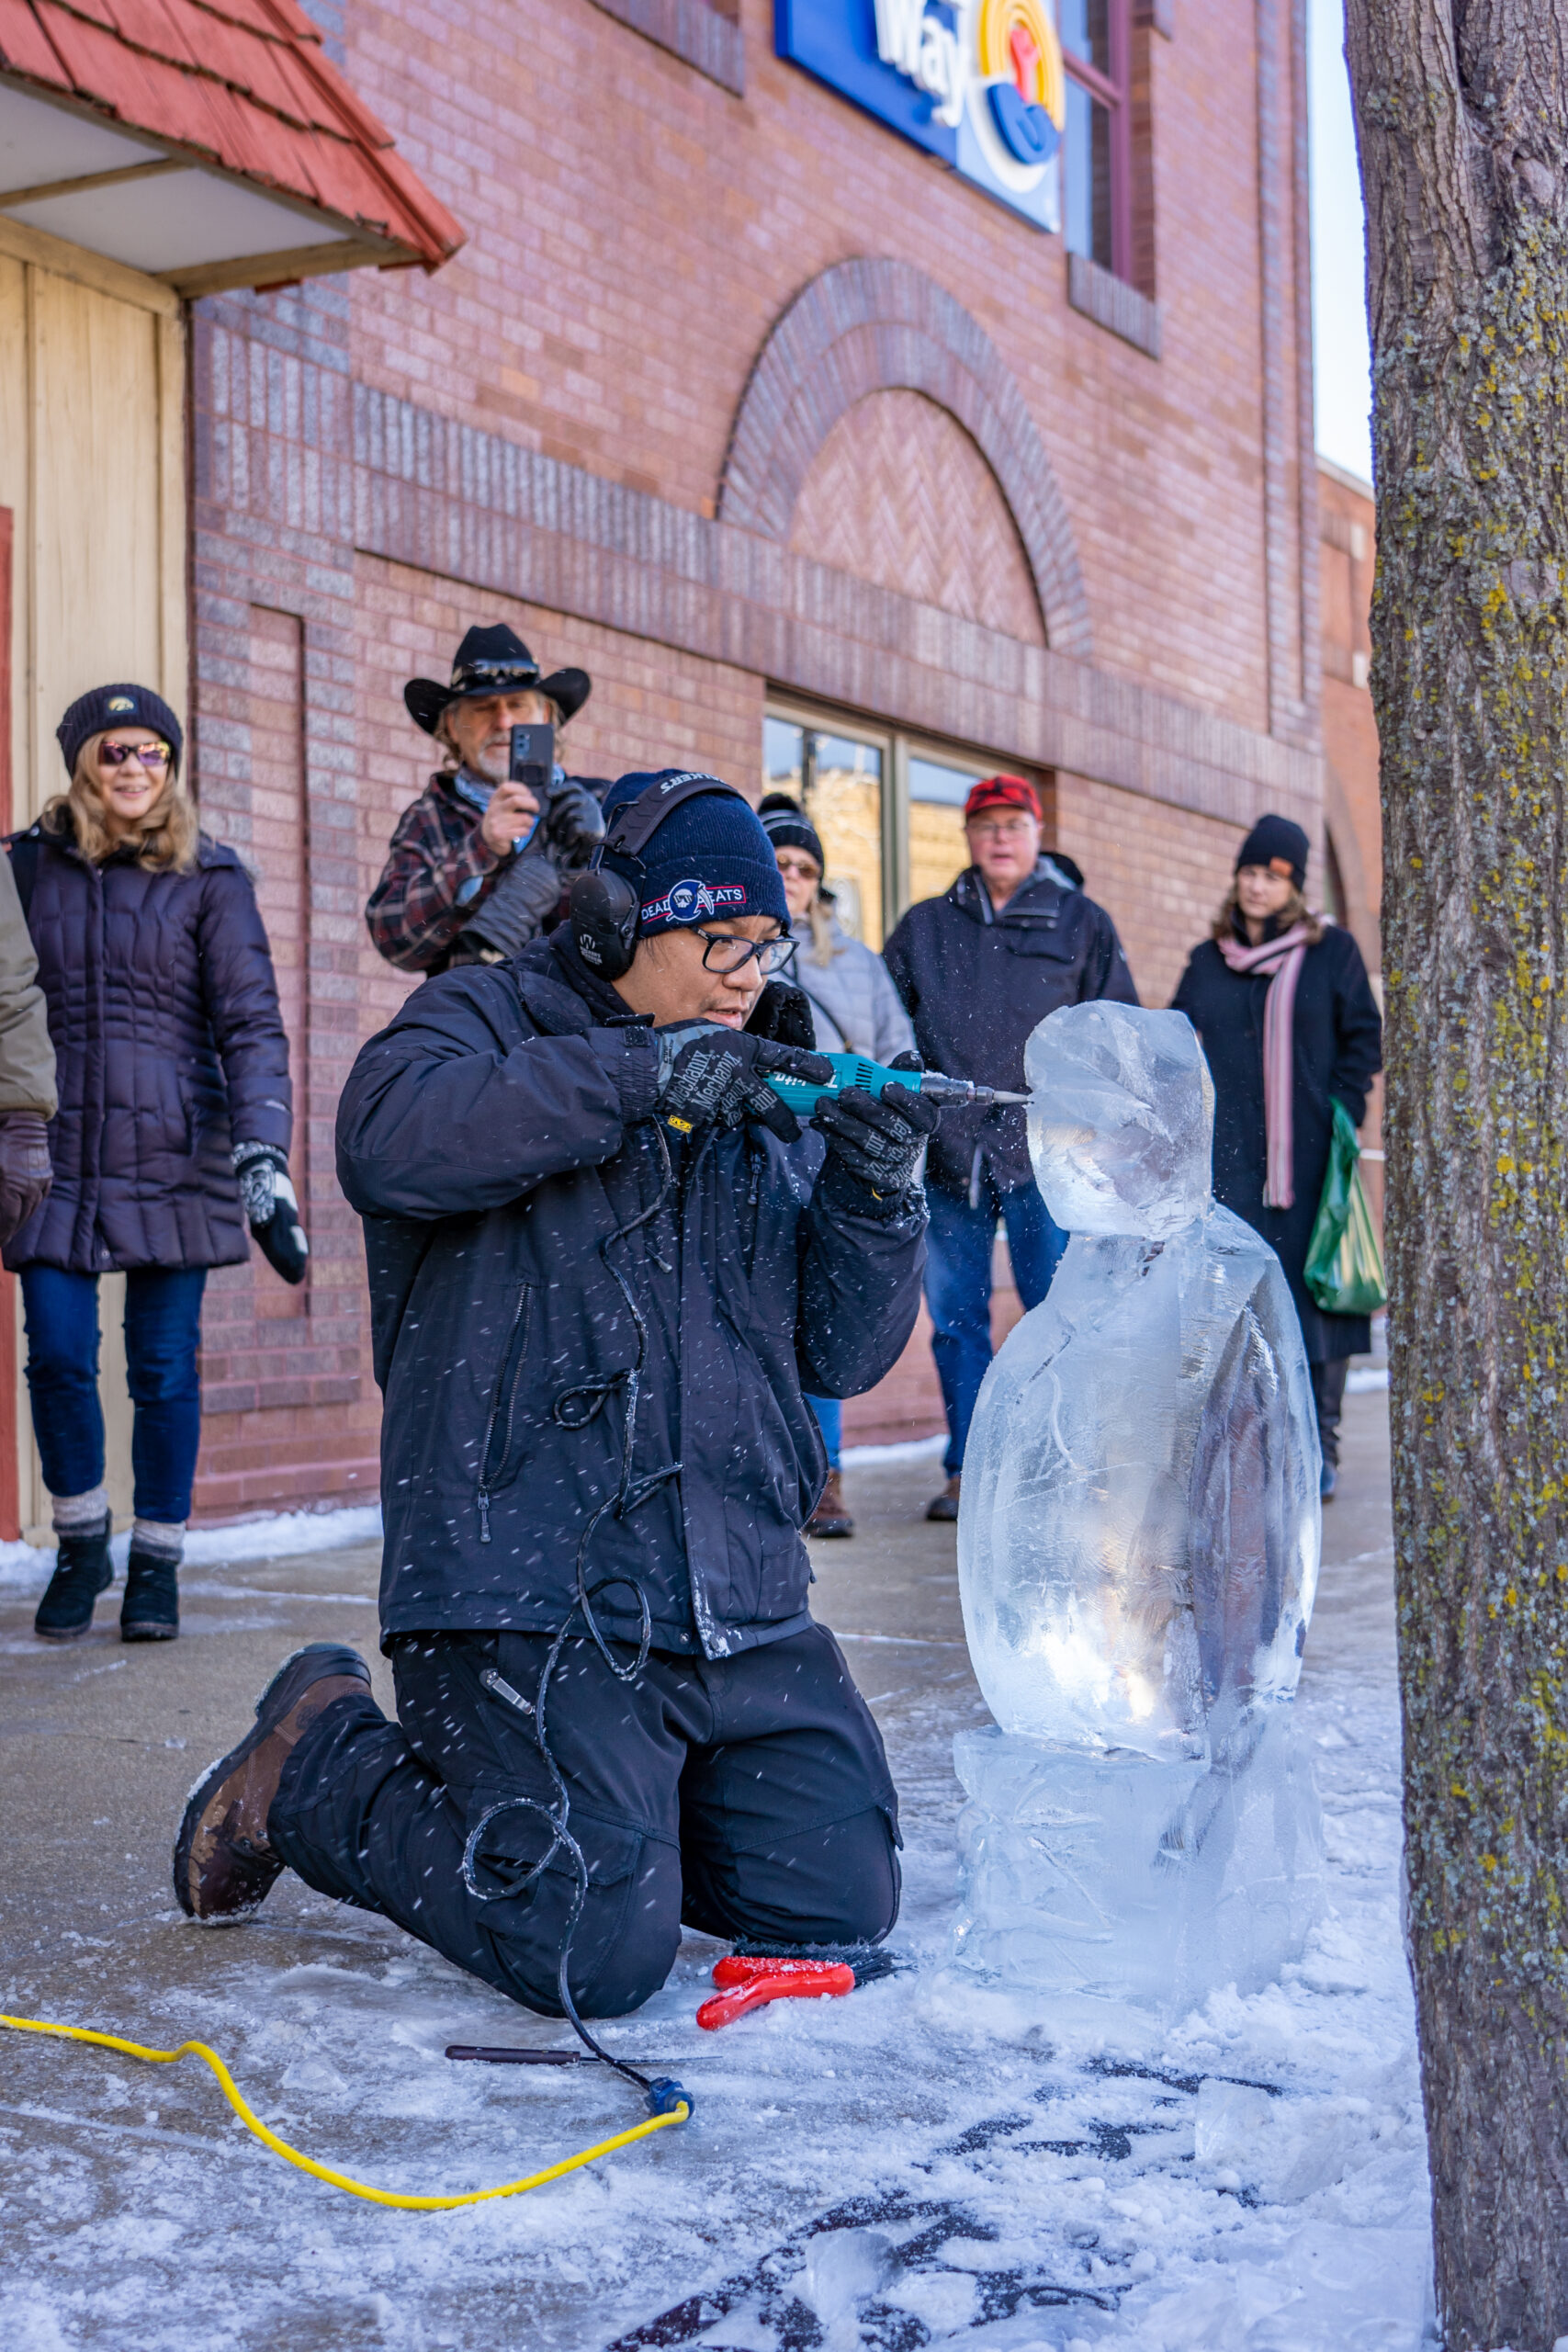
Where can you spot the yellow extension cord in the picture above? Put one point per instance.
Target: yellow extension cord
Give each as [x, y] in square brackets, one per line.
[307, 2164]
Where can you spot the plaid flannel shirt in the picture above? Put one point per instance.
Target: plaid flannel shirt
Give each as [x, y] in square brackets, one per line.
[438, 874]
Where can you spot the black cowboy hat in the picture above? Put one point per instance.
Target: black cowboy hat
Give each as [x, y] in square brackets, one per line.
[494, 661]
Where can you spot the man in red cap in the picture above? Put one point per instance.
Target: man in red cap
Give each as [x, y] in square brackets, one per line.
[978, 969]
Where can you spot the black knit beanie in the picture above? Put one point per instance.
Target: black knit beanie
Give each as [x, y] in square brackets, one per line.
[788, 826]
[109, 707]
[709, 858]
[1276, 841]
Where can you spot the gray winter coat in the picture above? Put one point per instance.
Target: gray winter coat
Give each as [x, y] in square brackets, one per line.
[853, 1002]
[26, 1057]
[162, 1008]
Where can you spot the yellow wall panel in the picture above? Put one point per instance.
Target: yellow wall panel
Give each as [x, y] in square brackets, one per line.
[98, 523]
[91, 462]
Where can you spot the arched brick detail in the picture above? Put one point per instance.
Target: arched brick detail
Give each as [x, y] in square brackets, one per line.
[877, 325]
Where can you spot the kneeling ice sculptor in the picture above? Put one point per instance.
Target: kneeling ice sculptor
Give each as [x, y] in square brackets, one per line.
[1138, 1552]
[605, 1259]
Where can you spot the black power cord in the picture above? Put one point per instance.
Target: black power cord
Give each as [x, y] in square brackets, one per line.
[575, 1408]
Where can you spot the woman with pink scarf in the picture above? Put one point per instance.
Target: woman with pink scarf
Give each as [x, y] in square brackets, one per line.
[1281, 999]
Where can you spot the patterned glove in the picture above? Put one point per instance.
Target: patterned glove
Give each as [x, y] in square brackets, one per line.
[711, 1076]
[25, 1171]
[876, 1140]
[272, 1209]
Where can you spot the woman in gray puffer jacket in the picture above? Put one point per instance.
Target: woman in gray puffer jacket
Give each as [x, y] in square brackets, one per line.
[854, 1010]
[172, 1134]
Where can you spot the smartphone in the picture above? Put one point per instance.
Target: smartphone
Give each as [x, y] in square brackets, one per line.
[533, 760]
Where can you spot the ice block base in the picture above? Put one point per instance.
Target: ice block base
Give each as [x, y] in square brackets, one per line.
[1113, 1874]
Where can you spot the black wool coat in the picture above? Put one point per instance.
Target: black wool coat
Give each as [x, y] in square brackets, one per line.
[975, 984]
[1338, 1051]
[170, 1048]
[498, 1140]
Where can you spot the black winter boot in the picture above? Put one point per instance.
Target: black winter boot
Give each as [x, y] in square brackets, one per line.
[81, 1571]
[151, 1610]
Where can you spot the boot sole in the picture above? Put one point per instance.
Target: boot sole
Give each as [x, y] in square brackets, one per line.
[288, 1685]
[149, 1632]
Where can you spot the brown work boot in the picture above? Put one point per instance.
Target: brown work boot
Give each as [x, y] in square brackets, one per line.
[831, 1516]
[224, 1868]
[945, 1505]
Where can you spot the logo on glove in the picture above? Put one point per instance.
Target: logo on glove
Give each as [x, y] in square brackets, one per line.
[695, 901]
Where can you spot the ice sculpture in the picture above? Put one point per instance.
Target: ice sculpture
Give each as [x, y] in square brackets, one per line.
[1137, 1552]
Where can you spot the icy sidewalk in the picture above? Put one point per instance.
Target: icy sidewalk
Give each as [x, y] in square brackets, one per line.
[923, 2163]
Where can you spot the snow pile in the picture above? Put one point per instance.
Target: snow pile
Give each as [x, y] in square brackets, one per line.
[277, 1535]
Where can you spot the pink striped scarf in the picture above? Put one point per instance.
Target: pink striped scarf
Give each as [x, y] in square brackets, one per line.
[1281, 960]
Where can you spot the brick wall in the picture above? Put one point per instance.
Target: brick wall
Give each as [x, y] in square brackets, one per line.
[649, 704]
[1348, 554]
[1159, 874]
[654, 414]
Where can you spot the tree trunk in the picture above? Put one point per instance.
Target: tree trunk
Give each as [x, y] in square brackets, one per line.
[1464, 156]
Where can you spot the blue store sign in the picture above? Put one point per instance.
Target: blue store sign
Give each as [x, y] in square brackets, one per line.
[979, 83]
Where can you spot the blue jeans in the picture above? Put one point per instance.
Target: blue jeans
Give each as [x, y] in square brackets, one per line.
[958, 1287]
[162, 1332]
[829, 1415]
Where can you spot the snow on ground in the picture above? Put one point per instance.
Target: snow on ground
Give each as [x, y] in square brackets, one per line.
[928, 2162]
[275, 1536]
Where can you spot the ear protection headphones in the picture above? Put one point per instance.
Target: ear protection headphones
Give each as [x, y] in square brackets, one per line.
[605, 906]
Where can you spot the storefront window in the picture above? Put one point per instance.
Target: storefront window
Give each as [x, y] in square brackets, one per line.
[890, 808]
[1096, 167]
[837, 778]
[938, 849]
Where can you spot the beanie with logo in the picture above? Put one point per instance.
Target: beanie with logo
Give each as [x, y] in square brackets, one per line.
[710, 860]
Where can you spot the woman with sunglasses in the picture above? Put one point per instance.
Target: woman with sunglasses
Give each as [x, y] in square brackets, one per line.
[172, 1134]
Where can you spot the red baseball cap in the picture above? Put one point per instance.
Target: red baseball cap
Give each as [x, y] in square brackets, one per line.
[1001, 792]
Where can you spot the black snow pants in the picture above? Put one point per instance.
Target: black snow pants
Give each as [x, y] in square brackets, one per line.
[744, 1796]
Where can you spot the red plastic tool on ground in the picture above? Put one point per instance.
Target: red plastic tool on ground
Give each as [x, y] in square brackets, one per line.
[747, 1983]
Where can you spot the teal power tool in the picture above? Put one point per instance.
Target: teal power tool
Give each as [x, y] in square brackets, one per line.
[855, 1069]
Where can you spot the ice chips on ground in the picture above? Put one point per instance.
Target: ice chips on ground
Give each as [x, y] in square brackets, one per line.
[1138, 1551]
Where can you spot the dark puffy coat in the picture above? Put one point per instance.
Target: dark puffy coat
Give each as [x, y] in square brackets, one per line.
[976, 984]
[162, 1009]
[495, 1138]
[1337, 1036]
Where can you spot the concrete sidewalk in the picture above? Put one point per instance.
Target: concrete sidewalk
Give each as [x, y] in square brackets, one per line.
[124, 2233]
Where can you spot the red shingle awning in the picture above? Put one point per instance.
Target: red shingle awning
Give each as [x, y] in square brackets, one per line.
[231, 107]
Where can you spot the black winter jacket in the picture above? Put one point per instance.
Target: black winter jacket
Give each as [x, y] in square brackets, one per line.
[163, 1010]
[1337, 1035]
[496, 1137]
[977, 984]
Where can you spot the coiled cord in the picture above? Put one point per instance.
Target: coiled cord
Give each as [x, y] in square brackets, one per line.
[630, 1493]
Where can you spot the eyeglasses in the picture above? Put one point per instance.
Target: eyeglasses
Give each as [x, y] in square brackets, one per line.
[151, 755]
[723, 953]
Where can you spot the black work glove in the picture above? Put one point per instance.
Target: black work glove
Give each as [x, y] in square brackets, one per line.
[784, 1013]
[272, 1211]
[572, 824]
[515, 911]
[877, 1140]
[711, 1076]
[25, 1174]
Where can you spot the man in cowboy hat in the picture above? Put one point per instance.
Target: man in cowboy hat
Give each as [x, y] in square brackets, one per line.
[476, 864]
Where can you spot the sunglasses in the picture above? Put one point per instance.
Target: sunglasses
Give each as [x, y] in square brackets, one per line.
[723, 953]
[151, 755]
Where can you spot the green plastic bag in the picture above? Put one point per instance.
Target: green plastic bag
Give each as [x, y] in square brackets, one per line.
[1343, 1264]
